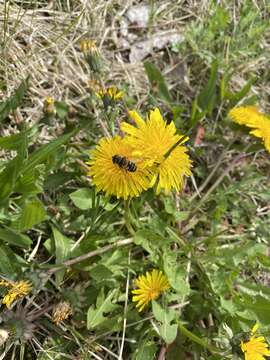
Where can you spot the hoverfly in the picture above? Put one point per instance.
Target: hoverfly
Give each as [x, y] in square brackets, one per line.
[124, 163]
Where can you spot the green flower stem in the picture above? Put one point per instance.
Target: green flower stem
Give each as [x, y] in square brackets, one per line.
[197, 339]
[127, 217]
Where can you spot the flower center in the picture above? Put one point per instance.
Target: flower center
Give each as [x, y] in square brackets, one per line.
[153, 294]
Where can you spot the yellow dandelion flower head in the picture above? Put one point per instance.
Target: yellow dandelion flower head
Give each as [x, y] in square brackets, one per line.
[124, 179]
[88, 46]
[150, 286]
[256, 348]
[61, 312]
[157, 143]
[18, 289]
[48, 105]
[49, 100]
[111, 92]
[251, 117]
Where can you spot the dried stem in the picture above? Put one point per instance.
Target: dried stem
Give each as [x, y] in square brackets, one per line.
[90, 254]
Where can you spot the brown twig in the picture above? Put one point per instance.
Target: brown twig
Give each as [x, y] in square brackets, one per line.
[90, 254]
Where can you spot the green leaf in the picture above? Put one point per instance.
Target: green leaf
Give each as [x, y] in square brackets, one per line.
[14, 238]
[176, 277]
[157, 80]
[207, 96]
[17, 141]
[196, 114]
[162, 315]
[82, 198]
[101, 272]
[8, 264]
[168, 332]
[95, 316]
[32, 182]
[146, 351]
[14, 101]
[11, 142]
[44, 152]
[63, 246]
[57, 179]
[176, 274]
[258, 305]
[32, 213]
[236, 97]
[9, 175]
[61, 109]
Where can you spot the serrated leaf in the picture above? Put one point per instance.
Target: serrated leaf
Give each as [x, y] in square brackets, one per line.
[95, 315]
[82, 198]
[32, 213]
[157, 80]
[14, 238]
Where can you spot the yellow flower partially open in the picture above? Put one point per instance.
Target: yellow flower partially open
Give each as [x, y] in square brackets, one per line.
[111, 92]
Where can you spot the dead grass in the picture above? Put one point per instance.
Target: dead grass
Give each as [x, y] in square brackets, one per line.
[44, 41]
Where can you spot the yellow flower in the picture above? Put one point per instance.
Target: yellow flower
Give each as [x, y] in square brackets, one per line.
[150, 286]
[254, 119]
[91, 54]
[61, 312]
[48, 105]
[111, 92]
[112, 178]
[158, 145]
[18, 289]
[88, 47]
[256, 348]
